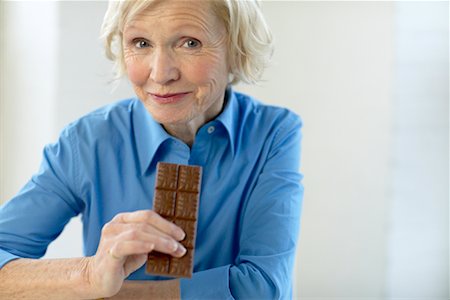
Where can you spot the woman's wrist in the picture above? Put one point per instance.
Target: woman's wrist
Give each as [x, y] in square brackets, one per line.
[82, 279]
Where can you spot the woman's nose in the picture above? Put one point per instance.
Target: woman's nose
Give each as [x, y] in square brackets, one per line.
[163, 68]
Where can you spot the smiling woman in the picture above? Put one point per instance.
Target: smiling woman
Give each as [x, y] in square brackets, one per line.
[180, 70]
[182, 58]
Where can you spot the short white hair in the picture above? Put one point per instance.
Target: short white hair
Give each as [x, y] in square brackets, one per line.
[250, 43]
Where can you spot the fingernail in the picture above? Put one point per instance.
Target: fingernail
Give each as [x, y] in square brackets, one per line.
[181, 235]
[174, 246]
[181, 250]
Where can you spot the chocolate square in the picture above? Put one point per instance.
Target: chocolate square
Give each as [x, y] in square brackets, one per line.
[164, 203]
[188, 179]
[160, 262]
[189, 227]
[182, 266]
[167, 176]
[187, 205]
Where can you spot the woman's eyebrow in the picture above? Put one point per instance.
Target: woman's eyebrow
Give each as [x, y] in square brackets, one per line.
[135, 31]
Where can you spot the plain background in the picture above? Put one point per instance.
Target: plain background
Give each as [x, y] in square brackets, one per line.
[371, 82]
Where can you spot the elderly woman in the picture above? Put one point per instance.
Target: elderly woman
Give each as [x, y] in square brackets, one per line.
[181, 58]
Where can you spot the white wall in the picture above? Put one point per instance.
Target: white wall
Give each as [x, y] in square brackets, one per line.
[333, 65]
[338, 65]
[2, 97]
[84, 73]
[418, 240]
[28, 76]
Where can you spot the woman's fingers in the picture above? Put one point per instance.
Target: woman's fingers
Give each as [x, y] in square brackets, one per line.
[153, 219]
[126, 248]
[160, 241]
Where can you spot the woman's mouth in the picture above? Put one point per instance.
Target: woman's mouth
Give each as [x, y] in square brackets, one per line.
[168, 98]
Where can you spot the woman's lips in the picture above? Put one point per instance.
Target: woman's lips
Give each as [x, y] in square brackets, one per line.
[168, 98]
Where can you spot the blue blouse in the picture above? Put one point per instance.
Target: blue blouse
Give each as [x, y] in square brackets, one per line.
[250, 202]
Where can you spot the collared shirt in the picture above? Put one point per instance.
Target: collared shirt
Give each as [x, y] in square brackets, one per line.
[250, 201]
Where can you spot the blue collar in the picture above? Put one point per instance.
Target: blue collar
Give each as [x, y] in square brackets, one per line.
[149, 134]
[229, 117]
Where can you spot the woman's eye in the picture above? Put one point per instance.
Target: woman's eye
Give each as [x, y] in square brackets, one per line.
[191, 43]
[141, 44]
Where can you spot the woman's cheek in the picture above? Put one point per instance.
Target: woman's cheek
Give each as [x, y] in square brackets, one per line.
[137, 71]
[205, 73]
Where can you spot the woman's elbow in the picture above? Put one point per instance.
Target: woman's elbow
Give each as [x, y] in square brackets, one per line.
[250, 282]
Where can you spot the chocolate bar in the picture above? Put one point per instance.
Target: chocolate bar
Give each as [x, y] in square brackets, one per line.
[176, 198]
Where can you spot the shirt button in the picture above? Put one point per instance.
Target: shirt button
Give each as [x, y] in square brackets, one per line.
[211, 129]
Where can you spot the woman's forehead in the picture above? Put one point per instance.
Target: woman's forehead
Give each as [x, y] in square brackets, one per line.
[174, 9]
[175, 13]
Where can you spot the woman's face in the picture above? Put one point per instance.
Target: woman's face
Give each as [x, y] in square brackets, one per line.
[176, 58]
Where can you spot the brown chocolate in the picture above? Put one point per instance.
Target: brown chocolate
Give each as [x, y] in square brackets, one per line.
[176, 198]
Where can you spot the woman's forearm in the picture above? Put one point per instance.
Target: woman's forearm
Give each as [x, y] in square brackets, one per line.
[46, 279]
[68, 279]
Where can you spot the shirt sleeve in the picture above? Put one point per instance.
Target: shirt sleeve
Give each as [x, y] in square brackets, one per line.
[269, 231]
[38, 213]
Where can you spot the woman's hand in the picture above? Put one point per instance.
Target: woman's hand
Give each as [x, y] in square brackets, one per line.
[124, 245]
